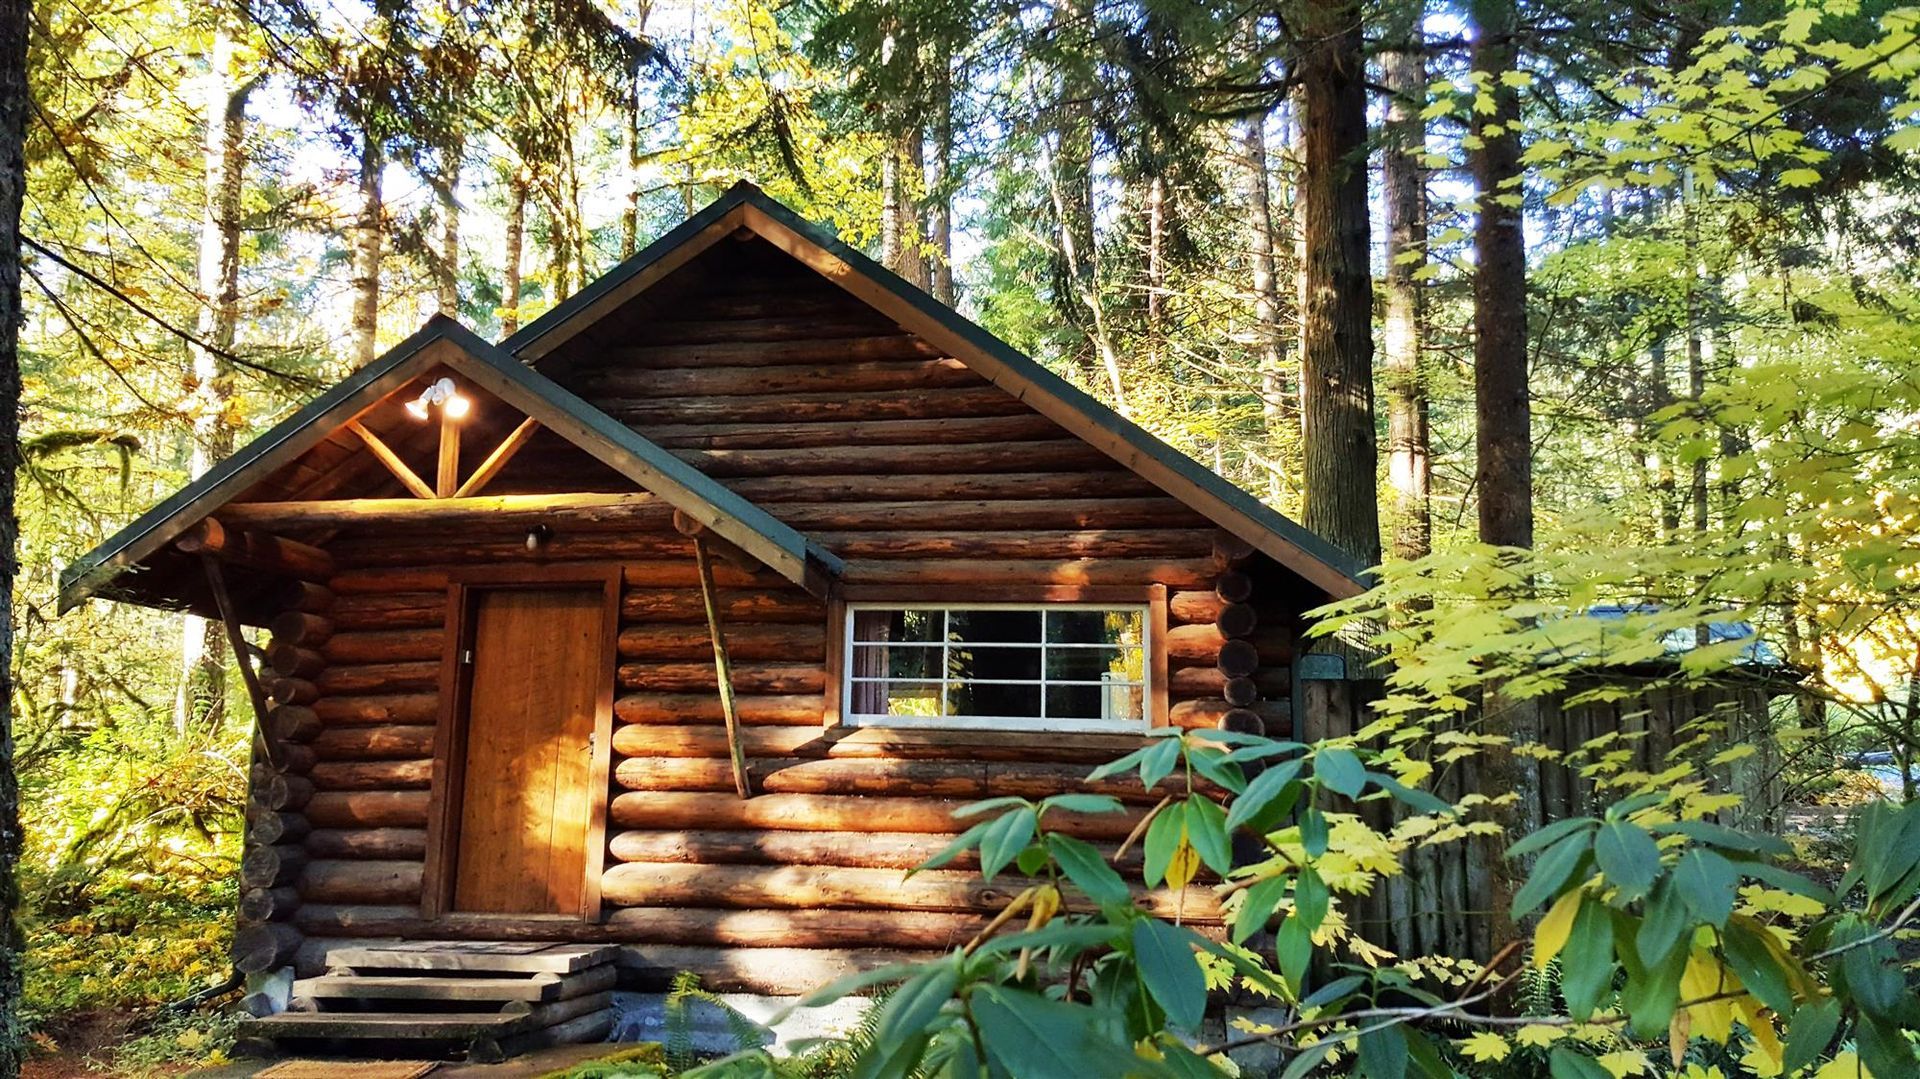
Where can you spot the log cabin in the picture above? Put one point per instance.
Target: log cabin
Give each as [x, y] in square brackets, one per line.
[683, 619]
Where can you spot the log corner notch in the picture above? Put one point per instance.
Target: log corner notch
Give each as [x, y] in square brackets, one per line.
[722, 666]
[256, 550]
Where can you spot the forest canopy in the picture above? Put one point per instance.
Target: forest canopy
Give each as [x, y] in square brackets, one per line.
[1594, 328]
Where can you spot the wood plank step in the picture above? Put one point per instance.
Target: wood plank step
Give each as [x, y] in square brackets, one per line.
[544, 986]
[476, 956]
[406, 1026]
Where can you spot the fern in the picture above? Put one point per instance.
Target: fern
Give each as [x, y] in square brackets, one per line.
[682, 994]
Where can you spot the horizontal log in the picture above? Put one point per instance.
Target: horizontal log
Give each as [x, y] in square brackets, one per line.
[637, 884]
[681, 573]
[992, 513]
[384, 646]
[677, 708]
[1073, 543]
[747, 678]
[293, 723]
[290, 690]
[269, 904]
[1234, 586]
[683, 605]
[1238, 620]
[399, 610]
[745, 642]
[1194, 643]
[293, 661]
[1198, 607]
[497, 512]
[257, 550]
[368, 809]
[916, 433]
[830, 813]
[737, 353]
[273, 790]
[983, 400]
[1061, 454]
[1175, 573]
[266, 826]
[858, 743]
[299, 595]
[915, 778]
[1217, 713]
[397, 843]
[293, 757]
[385, 581]
[786, 327]
[301, 627]
[1109, 482]
[899, 850]
[268, 865]
[403, 708]
[378, 678]
[745, 929]
[1271, 682]
[374, 743]
[562, 545]
[361, 882]
[395, 775]
[1239, 659]
[615, 385]
[265, 946]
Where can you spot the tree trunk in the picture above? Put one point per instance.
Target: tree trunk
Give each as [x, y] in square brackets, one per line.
[1341, 501]
[890, 239]
[1156, 263]
[913, 163]
[1503, 439]
[516, 240]
[200, 697]
[940, 191]
[1270, 348]
[1409, 443]
[15, 18]
[367, 237]
[447, 275]
[630, 216]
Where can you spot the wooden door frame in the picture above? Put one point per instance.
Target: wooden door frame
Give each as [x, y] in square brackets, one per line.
[445, 799]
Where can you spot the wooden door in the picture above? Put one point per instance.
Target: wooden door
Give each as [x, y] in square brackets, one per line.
[540, 675]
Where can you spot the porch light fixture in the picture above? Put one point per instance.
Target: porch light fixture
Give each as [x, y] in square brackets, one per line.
[443, 393]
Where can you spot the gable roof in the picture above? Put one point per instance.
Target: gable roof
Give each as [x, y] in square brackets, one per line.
[444, 342]
[746, 206]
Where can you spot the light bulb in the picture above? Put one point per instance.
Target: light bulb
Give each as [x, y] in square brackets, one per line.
[417, 408]
[456, 406]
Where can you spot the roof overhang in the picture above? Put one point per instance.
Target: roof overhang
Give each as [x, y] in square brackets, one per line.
[745, 206]
[444, 342]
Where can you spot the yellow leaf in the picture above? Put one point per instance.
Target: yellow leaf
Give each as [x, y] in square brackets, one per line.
[1485, 1046]
[1844, 1066]
[1552, 933]
[1736, 753]
[1623, 1063]
[1183, 866]
[1539, 1034]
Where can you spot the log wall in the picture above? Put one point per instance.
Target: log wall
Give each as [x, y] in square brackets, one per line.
[908, 465]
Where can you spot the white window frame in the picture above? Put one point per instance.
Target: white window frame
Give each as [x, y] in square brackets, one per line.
[1041, 723]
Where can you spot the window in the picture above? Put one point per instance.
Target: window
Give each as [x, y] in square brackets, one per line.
[1060, 667]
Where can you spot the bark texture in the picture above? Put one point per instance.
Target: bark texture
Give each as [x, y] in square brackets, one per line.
[1409, 443]
[1336, 384]
[368, 237]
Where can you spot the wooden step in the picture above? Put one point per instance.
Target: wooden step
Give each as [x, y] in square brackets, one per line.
[398, 1026]
[514, 957]
[541, 987]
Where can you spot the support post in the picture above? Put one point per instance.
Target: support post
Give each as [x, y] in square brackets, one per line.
[722, 668]
[242, 654]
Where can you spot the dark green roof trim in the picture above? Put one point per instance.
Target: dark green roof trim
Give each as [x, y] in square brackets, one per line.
[1022, 366]
[688, 488]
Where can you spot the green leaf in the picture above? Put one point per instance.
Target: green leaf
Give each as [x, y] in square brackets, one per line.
[1214, 764]
[1333, 990]
[1628, 856]
[1383, 1052]
[1310, 898]
[1115, 767]
[1207, 831]
[1058, 933]
[1032, 1037]
[1084, 803]
[1292, 951]
[1565, 1063]
[1262, 792]
[959, 846]
[1706, 882]
[1090, 872]
[974, 809]
[1340, 771]
[1785, 880]
[1726, 838]
[1759, 969]
[1551, 873]
[1313, 831]
[1652, 992]
[1006, 836]
[1665, 927]
[1425, 1055]
[1167, 965]
[1810, 1033]
[1159, 762]
[1586, 963]
[1549, 835]
[1309, 1059]
[1163, 838]
[1413, 797]
[902, 1029]
[1256, 907]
